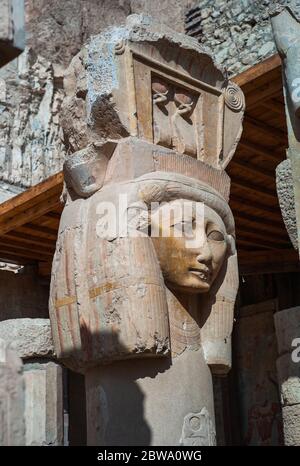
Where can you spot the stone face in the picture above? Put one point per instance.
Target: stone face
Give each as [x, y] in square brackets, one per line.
[28, 337]
[43, 403]
[12, 403]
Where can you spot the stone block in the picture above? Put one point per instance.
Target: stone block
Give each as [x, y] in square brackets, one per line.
[287, 325]
[12, 427]
[43, 403]
[28, 337]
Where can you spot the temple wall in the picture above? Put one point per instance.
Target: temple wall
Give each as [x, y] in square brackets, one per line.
[31, 86]
[237, 31]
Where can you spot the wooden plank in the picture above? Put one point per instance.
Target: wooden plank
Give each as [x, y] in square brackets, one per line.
[7, 257]
[249, 186]
[260, 235]
[12, 221]
[271, 224]
[6, 251]
[268, 91]
[46, 251]
[260, 150]
[251, 243]
[266, 129]
[273, 261]
[238, 203]
[37, 231]
[253, 170]
[274, 106]
[258, 70]
[32, 196]
[21, 238]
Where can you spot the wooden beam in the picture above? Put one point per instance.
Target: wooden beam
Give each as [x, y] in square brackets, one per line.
[252, 169]
[268, 130]
[238, 202]
[247, 185]
[256, 71]
[259, 235]
[252, 243]
[258, 149]
[6, 251]
[7, 257]
[273, 261]
[32, 241]
[38, 231]
[45, 251]
[272, 225]
[261, 229]
[274, 106]
[32, 196]
[12, 221]
[267, 91]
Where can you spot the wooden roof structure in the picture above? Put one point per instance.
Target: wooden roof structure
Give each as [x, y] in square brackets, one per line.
[29, 221]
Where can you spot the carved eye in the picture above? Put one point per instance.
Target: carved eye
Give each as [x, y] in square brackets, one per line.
[215, 235]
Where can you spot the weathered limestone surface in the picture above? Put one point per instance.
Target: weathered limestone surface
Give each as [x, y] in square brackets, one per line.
[30, 138]
[237, 31]
[291, 415]
[30, 87]
[43, 403]
[57, 30]
[286, 197]
[151, 413]
[31, 340]
[12, 427]
[28, 337]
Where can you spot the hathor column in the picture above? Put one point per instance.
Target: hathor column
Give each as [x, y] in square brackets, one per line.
[150, 123]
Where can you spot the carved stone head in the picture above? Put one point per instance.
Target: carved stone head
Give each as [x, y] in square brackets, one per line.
[148, 115]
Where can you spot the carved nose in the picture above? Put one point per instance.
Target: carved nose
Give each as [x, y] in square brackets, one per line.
[205, 255]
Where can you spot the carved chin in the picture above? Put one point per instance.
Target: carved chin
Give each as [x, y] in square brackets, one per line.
[190, 283]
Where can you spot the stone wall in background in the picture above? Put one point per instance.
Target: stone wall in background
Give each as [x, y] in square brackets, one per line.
[30, 136]
[238, 32]
[31, 86]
